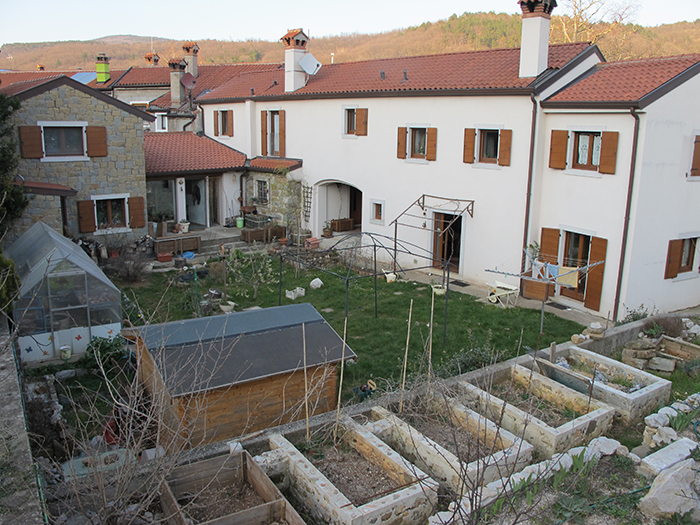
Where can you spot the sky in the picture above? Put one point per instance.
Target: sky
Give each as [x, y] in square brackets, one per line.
[48, 21]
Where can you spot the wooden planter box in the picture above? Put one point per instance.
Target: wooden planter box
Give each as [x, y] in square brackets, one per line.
[276, 232]
[342, 225]
[252, 235]
[178, 244]
[219, 473]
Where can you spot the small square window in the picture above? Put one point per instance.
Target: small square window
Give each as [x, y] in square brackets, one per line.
[63, 141]
[377, 211]
[350, 121]
[262, 192]
[111, 213]
[418, 143]
[488, 150]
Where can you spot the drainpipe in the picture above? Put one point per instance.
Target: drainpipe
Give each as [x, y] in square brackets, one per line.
[628, 208]
[530, 171]
[240, 181]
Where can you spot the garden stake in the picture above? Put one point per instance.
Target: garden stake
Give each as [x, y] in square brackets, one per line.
[306, 384]
[376, 310]
[196, 292]
[447, 299]
[280, 299]
[590, 389]
[340, 387]
[430, 342]
[405, 358]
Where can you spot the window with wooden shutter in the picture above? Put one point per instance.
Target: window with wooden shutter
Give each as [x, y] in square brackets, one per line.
[431, 148]
[401, 143]
[216, 123]
[30, 141]
[695, 166]
[283, 134]
[86, 217]
[469, 143]
[361, 122]
[594, 279]
[504, 147]
[263, 133]
[137, 212]
[557, 149]
[549, 252]
[608, 152]
[680, 257]
[229, 123]
[96, 141]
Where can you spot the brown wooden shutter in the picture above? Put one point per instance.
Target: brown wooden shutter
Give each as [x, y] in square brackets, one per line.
[557, 149]
[431, 147]
[283, 133]
[401, 143]
[469, 145]
[30, 142]
[695, 167]
[504, 147]
[534, 290]
[361, 122]
[549, 245]
[216, 123]
[263, 133]
[594, 281]
[137, 212]
[229, 123]
[608, 152]
[86, 216]
[673, 258]
[96, 141]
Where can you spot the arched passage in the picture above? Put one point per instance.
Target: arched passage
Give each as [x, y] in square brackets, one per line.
[338, 200]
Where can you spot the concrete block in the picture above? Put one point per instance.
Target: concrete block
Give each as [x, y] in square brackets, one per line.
[640, 364]
[661, 364]
[667, 457]
[639, 354]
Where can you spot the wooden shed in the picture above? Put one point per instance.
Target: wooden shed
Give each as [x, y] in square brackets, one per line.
[217, 378]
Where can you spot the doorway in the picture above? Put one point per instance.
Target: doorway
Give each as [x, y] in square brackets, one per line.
[356, 206]
[447, 240]
[214, 201]
[576, 250]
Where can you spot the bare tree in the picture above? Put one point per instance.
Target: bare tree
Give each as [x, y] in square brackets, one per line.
[591, 20]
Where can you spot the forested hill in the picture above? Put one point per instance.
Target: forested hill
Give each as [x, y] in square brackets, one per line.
[471, 31]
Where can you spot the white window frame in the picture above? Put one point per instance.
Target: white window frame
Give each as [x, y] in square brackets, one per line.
[477, 146]
[270, 135]
[111, 196]
[63, 124]
[409, 143]
[372, 219]
[344, 132]
[570, 146]
[220, 121]
[267, 191]
[161, 118]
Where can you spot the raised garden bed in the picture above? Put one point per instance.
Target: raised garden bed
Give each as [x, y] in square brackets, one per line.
[460, 449]
[687, 355]
[411, 498]
[342, 225]
[228, 489]
[589, 417]
[634, 393]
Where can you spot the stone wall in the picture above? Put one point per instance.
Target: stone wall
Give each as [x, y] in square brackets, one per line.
[121, 171]
[284, 204]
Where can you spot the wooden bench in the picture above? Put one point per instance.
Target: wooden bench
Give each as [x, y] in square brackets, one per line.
[178, 244]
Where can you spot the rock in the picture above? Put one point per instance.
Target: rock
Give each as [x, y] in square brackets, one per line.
[638, 354]
[666, 457]
[668, 411]
[561, 461]
[296, 293]
[648, 439]
[577, 339]
[65, 374]
[316, 284]
[596, 328]
[672, 492]
[606, 446]
[641, 364]
[641, 344]
[640, 452]
[687, 322]
[657, 420]
[681, 406]
[623, 451]
[562, 362]
[694, 330]
[635, 458]
[664, 436]
[661, 364]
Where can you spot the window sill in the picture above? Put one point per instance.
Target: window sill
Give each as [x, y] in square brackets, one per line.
[692, 178]
[349, 136]
[223, 137]
[377, 222]
[686, 276]
[486, 166]
[109, 231]
[416, 161]
[65, 159]
[584, 173]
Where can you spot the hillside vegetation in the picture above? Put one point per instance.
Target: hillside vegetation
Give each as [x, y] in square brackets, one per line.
[470, 31]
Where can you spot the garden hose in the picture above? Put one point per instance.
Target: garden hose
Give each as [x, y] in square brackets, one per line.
[695, 429]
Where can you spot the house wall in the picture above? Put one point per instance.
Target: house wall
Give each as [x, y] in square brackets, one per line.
[122, 171]
[666, 203]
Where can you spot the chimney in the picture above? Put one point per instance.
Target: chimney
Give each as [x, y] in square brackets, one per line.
[102, 68]
[534, 43]
[294, 50]
[152, 59]
[191, 49]
[177, 89]
[40, 67]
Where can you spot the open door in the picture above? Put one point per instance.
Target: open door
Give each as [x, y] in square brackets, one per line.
[447, 240]
[356, 206]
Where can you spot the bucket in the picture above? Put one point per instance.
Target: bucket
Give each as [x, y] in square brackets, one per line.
[66, 352]
[239, 222]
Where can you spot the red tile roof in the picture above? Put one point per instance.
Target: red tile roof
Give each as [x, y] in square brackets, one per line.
[474, 70]
[627, 81]
[157, 76]
[185, 152]
[17, 87]
[47, 188]
[273, 164]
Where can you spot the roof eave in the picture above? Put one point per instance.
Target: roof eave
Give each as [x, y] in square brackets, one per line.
[184, 173]
[568, 67]
[669, 86]
[611, 104]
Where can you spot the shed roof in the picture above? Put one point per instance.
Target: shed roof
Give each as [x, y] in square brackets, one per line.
[186, 152]
[196, 355]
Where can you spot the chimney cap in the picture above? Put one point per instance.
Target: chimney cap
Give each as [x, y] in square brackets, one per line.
[177, 64]
[538, 6]
[152, 58]
[295, 38]
[190, 48]
[102, 57]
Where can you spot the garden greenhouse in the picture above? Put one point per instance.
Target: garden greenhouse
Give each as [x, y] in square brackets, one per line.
[65, 299]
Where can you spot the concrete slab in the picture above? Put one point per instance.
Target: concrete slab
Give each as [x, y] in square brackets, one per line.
[666, 457]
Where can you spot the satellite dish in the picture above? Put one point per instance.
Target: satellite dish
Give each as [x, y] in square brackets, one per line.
[310, 64]
[188, 80]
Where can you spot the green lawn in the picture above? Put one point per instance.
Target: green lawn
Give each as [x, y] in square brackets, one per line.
[474, 330]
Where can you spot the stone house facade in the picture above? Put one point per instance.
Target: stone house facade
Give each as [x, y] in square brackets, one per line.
[81, 160]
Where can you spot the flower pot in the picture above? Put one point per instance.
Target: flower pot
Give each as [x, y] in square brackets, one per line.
[184, 227]
[439, 289]
[283, 241]
[164, 257]
[327, 233]
[113, 254]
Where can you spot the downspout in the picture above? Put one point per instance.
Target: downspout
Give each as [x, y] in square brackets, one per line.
[628, 208]
[530, 171]
[194, 113]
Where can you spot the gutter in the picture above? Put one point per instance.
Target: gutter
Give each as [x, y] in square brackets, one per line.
[530, 171]
[625, 229]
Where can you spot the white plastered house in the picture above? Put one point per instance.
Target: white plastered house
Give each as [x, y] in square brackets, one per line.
[477, 127]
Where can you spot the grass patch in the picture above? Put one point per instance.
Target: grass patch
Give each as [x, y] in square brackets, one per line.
[475, 331]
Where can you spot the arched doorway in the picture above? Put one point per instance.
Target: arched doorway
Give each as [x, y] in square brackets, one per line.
[338, 200]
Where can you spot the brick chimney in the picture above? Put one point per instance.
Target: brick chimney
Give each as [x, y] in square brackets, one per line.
[40, 67]
[152, 59]
[294, 50]
[534, 43]
[191, 49]
[177, 90]
[102, 67]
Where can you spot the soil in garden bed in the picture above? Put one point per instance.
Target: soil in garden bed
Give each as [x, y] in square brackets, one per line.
[452, 437]
[358, 479]
[213, 503]
[519, 396]
[616, 383]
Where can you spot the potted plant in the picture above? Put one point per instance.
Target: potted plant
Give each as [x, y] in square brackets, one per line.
[184, 226]
[327, 230]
